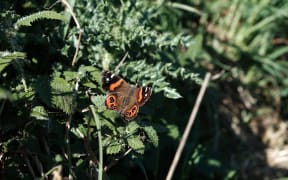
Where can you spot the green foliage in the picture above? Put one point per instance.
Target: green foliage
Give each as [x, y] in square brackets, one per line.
[6, 58]
[28, 20]
[62, 95]
[136, 144]
[39, 113]
[45, 103]
[152, 135]
[98, 101]
[4, 94]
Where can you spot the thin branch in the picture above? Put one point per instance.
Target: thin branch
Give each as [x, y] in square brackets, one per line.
[112, 163]
[70, 10]
[188, 127]
[55, 171]
[218, 75]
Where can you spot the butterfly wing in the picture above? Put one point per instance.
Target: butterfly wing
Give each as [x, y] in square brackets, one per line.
[143, 95]
[131, 112]
[122, 97]
[113, 83]
[116, 87]
[138, 96]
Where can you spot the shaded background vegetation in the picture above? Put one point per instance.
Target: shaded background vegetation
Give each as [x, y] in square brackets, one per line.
[241, 128]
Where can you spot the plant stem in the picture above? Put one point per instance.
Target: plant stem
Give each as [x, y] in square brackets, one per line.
[186, 8]
[98, 126]
[67, 141]
[188, 127]
[70, 10]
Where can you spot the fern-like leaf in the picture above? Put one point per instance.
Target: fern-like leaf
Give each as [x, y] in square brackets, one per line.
[6, 57]
[28, 20]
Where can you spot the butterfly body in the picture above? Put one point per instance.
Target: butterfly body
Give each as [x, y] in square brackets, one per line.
[123, 97]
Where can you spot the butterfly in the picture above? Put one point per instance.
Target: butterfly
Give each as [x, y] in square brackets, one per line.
[123, 97]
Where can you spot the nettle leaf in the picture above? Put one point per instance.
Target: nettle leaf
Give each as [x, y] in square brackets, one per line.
[121, 130]
[109, 125]
[7, 57]
[62, 95]
[98, 101]
[136, 144]
[112, 115]
[132, 127]
[70, 75]
[93, 75]
[114, 148]
[39, 113]
[28, 20]
[152, 135]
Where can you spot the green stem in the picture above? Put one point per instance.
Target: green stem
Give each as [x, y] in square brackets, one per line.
[186, 8]
[98, 125]
[67, 141]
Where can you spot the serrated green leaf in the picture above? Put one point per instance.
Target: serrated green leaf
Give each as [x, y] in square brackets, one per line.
[112, 115]
[136, 144]
[98, 101]
[121, 130]
[92, 71]
[39, 113]
[152, 135]
[62, 95]
[70, 75]
[109, 125]
[28, 20]
[7, 57]
[114, 148]
[132, 127]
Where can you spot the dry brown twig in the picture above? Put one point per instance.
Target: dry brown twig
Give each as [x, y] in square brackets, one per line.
[188, 127]
[70, 10]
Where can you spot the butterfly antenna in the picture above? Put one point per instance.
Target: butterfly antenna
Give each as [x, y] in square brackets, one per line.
[121, 62]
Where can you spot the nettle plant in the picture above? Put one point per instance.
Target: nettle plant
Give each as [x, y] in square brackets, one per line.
[58, 114]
